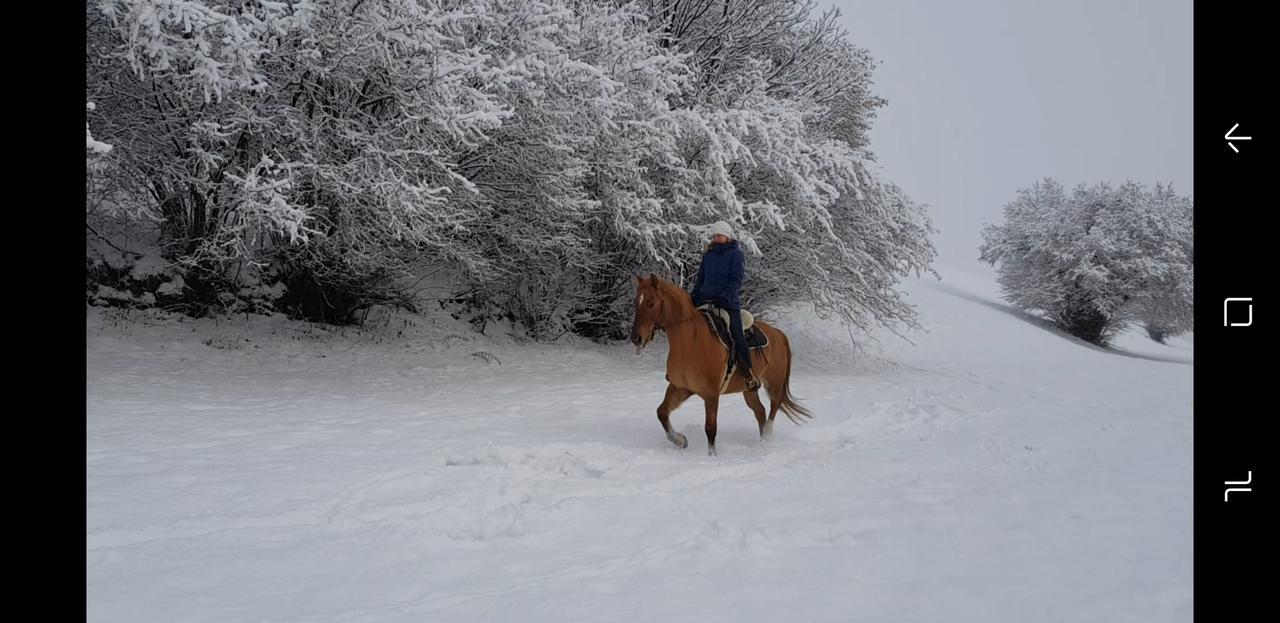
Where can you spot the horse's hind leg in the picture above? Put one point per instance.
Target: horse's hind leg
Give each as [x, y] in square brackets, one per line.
[757, 407]
[675, 396]
[775, 385]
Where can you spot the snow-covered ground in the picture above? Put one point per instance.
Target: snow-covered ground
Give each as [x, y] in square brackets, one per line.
[264, 470]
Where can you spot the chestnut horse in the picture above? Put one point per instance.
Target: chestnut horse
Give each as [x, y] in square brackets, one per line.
[696, 361]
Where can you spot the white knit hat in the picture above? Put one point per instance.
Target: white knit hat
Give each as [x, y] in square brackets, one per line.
[721, 227]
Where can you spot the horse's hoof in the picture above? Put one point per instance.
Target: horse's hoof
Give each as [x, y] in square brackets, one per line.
[680, 440]
[711, 450]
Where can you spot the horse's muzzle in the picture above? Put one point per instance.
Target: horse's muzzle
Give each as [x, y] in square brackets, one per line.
[640, 341]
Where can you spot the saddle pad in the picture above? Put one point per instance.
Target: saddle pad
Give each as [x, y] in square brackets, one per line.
[747, 318]
[720, 326]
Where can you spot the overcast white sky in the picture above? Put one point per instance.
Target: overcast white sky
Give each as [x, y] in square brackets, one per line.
[987, 96]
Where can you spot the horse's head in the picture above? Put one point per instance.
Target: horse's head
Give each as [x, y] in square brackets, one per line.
[649, 306]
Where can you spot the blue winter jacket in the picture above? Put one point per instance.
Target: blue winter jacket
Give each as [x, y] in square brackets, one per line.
[720, 276]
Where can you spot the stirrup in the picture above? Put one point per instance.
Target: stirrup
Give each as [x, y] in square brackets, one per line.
[753, 381]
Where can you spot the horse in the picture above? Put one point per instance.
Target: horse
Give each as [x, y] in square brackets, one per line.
[696, 361]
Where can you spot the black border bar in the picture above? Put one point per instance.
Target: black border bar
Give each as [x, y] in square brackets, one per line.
[1231, 371]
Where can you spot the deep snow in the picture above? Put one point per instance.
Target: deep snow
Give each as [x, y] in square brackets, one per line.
[264, 470]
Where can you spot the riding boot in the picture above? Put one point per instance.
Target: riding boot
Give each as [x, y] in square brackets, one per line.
[753, 383]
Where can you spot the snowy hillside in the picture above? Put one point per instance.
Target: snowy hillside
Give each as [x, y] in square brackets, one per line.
[264, 470]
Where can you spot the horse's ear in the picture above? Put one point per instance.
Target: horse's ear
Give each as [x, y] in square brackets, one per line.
[653, 280]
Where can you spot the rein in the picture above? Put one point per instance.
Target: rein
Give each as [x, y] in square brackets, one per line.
[695, 315]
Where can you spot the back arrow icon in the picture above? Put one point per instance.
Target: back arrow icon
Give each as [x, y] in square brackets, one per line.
[1235, 138]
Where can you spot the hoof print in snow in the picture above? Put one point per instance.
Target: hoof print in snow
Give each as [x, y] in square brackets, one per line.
[486, 357]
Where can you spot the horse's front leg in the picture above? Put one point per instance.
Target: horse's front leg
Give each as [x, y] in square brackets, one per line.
[675, 396]
[712, 403]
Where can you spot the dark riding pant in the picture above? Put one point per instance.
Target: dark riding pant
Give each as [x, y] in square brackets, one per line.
[739, 341]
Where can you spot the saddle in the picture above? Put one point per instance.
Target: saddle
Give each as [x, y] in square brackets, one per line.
[718, 320]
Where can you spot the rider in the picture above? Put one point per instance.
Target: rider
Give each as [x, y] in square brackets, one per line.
[719, 278]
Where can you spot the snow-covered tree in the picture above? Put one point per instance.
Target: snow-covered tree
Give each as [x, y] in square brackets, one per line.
[1096, 259]
[318, 140]
[1165, 302]
[541, 152]
[769, 133]
[94, 147]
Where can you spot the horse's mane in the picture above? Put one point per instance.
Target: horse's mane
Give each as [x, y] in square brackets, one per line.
[668, 287]
[670, 290]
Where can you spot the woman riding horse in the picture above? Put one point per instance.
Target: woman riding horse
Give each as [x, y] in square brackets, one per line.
[695, 365]
[719, 279]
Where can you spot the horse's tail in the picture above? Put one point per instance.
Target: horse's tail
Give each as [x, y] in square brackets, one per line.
[787, 402]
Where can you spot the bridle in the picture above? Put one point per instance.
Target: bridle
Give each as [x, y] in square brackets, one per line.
[656, 325]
